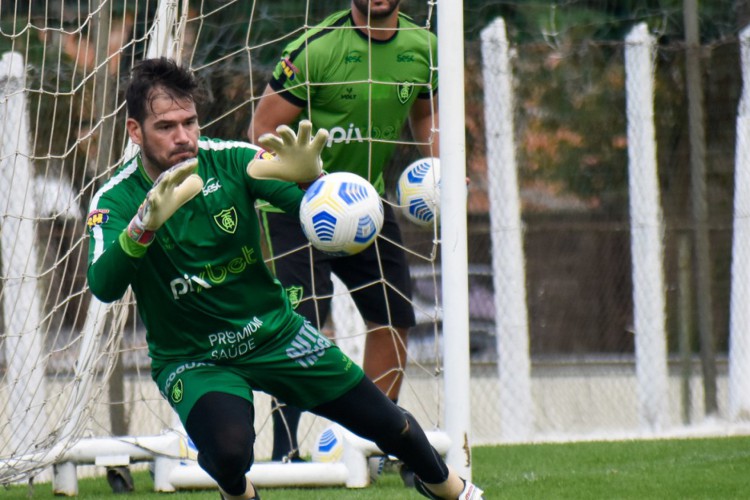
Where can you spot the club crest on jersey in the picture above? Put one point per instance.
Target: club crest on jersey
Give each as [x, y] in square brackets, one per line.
[227, 220]
[289, 69]
[177, 392]
[295, 295]
[97, 218]
[404, 90]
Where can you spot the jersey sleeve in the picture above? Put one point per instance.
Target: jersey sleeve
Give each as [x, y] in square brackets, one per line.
[290, 74]
[110, 268]
[426, 93]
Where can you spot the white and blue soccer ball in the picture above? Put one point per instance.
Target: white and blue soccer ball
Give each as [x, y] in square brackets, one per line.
[329, 446]
[418, 191]
[341, 214]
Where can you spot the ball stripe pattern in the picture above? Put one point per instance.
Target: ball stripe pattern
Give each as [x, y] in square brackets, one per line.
[418, 191]
[324, 225]
[341, 214]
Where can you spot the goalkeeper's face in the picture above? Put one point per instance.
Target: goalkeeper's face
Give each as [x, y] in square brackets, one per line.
[168, 134]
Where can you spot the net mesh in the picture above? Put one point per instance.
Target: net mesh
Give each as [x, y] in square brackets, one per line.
[571, 146]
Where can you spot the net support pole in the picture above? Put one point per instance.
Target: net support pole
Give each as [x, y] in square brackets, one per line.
[454, 255]
[739, 308]
[20, 295]
[508, 266]
[646, 233]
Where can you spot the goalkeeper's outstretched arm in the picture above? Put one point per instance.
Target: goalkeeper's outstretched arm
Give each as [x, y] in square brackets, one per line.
[112, 269]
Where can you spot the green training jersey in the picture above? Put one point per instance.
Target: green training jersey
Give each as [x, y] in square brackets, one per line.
[361, 90]
[202, 288]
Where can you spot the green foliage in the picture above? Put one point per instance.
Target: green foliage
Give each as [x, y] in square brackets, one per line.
[573, 124]
[600, 20]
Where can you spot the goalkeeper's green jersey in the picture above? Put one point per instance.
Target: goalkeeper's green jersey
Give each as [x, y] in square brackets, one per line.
[202, 288]
[361, 90]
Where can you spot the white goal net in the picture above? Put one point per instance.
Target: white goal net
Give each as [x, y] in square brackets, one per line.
[607, 156]
[71, 367]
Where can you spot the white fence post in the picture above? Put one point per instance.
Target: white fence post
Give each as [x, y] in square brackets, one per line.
[739, 340]
[508, 265]
[646, 233]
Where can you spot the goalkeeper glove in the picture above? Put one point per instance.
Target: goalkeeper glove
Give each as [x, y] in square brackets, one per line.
[172, 189]
[297, 158]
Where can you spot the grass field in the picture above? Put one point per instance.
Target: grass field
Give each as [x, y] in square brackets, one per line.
[717, 468]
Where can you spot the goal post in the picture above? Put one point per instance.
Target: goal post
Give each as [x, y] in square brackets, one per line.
[454, 253]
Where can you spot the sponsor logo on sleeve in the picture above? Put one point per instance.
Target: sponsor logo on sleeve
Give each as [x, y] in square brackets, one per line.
[97, 218]
[289, 69]
[264, 155]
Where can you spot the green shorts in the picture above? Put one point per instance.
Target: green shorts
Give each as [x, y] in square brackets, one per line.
[302, 368]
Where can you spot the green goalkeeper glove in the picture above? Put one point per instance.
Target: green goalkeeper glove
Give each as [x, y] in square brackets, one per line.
[297, 158]
[172, 189]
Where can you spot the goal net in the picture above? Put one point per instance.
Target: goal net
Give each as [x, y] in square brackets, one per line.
[70, 366]
[607, 157]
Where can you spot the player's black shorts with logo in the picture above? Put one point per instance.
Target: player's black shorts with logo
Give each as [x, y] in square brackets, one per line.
[378, 277]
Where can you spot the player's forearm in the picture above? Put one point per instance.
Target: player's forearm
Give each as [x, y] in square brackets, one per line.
[424, 127]
[272, 110]
[111, 274]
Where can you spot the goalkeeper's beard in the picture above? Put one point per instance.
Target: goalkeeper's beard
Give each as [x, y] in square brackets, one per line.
[174, 157]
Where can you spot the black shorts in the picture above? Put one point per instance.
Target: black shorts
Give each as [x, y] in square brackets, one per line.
[378, 277]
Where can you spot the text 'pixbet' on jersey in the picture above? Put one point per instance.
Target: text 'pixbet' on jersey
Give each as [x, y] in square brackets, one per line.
[346, 135]
[212, 275]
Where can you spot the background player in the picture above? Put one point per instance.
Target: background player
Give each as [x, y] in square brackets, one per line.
[361, 74]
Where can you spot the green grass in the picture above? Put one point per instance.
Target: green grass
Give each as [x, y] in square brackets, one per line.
[717, 468]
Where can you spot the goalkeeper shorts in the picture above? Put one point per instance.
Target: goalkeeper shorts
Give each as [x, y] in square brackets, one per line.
[379, 275]
[301, 367]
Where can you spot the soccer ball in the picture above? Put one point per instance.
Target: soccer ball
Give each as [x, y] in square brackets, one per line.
[418, 191]
[341, 214]
[329, 447]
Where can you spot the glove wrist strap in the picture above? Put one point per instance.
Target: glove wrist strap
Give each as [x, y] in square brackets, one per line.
[304, 186]
[138, 233]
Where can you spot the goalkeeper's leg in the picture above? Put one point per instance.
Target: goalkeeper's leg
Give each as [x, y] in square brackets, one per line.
[285, 423]
[225, 442]
[385, 357]
[367, 412]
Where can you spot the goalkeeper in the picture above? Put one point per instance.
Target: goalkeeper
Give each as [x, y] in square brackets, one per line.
[177, 224]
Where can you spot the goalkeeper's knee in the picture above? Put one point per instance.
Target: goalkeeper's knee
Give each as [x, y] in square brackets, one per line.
[228, 466]
[410, 444]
